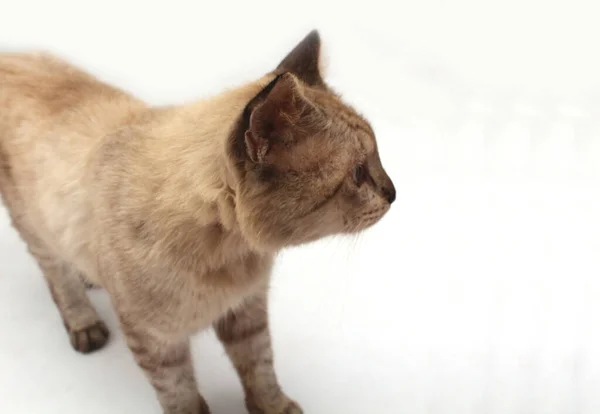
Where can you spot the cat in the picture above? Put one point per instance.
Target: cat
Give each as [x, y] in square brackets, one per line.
[178, 212]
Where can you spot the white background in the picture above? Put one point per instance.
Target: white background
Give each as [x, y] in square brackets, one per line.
[478, 293]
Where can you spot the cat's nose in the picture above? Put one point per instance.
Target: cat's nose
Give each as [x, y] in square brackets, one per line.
[389, 192]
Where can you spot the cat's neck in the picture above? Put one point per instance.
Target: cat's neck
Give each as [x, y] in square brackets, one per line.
[185, 157]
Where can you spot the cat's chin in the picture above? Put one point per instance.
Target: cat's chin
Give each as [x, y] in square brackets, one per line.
[276, 244]
[358, 226]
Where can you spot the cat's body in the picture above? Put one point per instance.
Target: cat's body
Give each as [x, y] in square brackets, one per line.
[178, 212]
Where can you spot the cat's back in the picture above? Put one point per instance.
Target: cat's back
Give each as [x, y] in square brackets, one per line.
[52, 114]
[41, 85]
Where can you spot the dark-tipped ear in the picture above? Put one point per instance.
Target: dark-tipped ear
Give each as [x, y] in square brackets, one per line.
[273, 121]
[303, 60]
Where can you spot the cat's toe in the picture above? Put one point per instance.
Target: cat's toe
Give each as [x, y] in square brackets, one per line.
[90, 338]
[292, 408]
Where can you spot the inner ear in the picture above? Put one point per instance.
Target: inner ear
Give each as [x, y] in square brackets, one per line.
[303, 60]
[276, 119]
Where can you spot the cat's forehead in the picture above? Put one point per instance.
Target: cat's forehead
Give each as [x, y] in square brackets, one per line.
[352, 127]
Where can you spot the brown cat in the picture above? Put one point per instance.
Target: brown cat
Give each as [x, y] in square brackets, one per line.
[178, 212]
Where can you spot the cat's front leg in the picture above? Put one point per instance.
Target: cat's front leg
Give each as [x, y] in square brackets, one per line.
[168, 365]
[245, 334]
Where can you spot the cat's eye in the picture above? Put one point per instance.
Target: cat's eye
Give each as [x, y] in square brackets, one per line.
[359, 174]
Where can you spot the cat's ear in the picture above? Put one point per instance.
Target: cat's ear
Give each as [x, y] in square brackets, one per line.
[304, 60]
[274, 123]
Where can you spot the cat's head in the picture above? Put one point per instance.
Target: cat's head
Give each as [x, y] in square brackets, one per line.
[307, 163]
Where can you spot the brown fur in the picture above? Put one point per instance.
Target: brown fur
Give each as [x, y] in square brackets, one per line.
[178, 212]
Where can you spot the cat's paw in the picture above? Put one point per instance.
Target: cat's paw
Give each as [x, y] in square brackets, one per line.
[289, 407]
[292, 408]
[90, 338]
